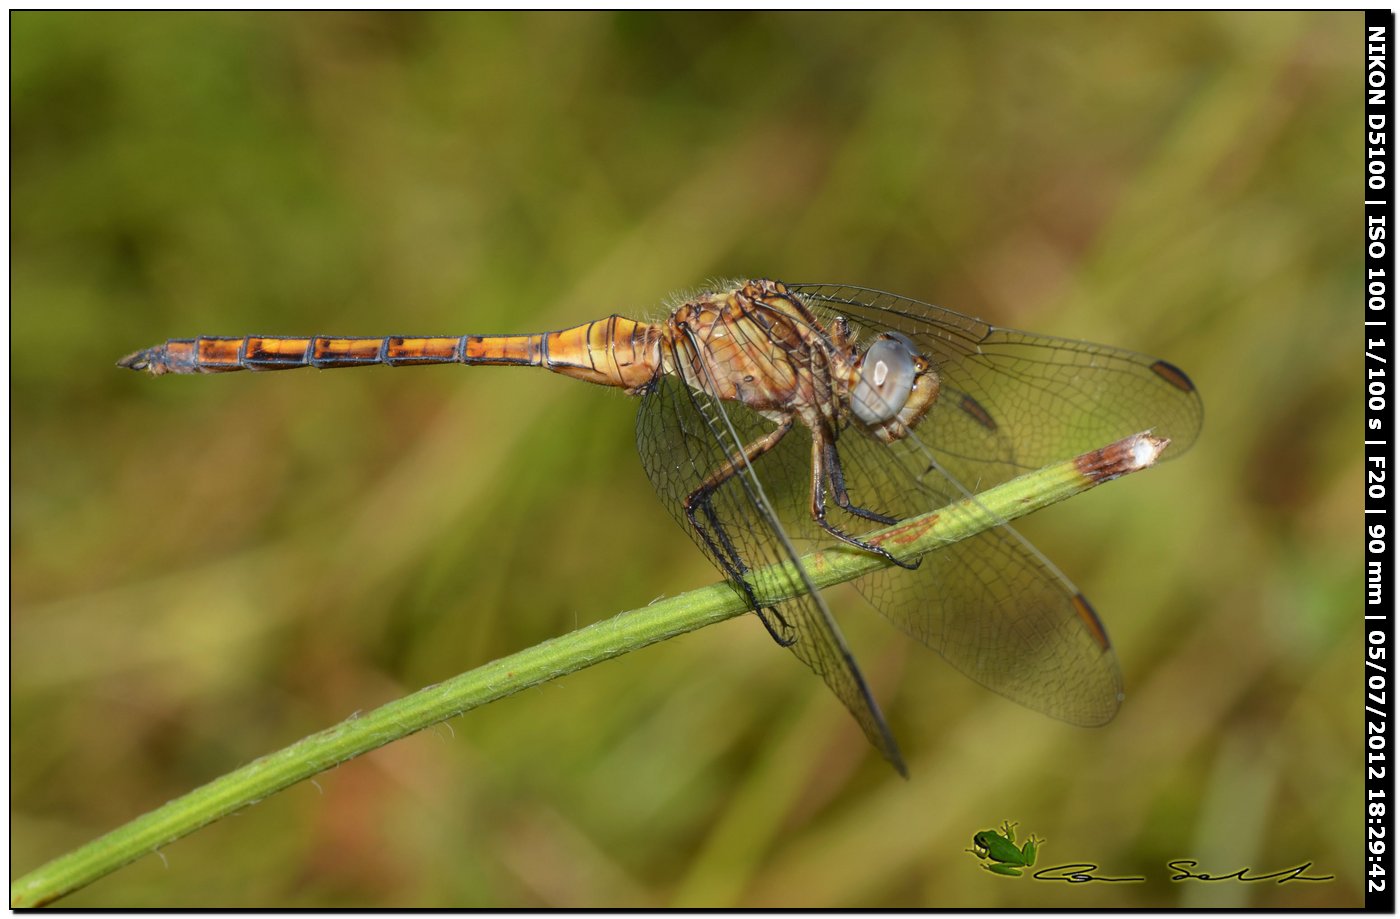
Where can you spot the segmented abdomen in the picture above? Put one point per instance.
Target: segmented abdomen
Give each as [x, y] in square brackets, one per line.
[614, 352]
[219, 355]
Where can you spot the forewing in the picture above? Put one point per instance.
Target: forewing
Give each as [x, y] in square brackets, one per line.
[1014, 401]
[684, 435]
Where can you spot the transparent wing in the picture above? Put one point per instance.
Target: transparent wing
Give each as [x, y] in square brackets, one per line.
[1010, 402]
[1014, 401]
[991, 605]
[685, 436]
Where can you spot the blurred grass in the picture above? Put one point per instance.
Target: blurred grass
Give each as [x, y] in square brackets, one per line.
[205, 569]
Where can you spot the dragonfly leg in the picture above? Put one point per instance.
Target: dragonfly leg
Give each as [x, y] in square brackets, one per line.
[776, 630]
[716, 538]
[735, 569]
[826, 466]
[837, 478]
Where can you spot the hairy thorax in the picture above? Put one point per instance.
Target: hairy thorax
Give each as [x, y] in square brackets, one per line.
[758, 345]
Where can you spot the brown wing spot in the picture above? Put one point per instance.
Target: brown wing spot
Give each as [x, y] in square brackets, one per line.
[1174, 375]
[978, 413]
[1091, 620]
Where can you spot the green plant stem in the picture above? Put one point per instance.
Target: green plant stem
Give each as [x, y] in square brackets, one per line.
[559, 656]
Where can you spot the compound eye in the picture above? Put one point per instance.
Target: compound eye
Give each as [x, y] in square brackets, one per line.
[886, 379]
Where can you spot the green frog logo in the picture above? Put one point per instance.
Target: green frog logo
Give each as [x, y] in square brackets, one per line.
[998, 850]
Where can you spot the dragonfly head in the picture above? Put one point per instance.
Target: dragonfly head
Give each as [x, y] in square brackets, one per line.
[895, 386]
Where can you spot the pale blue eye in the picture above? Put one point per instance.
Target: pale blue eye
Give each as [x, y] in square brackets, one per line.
[886, 379]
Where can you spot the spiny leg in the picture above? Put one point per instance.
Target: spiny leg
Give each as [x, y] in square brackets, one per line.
[837, 477]
[824, 458]
[699, 499]
[735, 569]
[719, 544]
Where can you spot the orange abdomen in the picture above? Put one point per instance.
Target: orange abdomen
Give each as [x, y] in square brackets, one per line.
[612, 352]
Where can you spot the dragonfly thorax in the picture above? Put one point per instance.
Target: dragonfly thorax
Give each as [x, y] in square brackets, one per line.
[760, 344]
[757, 345]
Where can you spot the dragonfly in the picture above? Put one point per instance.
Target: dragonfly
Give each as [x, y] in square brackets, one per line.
[775, 418]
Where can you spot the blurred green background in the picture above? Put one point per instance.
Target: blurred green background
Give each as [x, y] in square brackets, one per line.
[205, 569]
